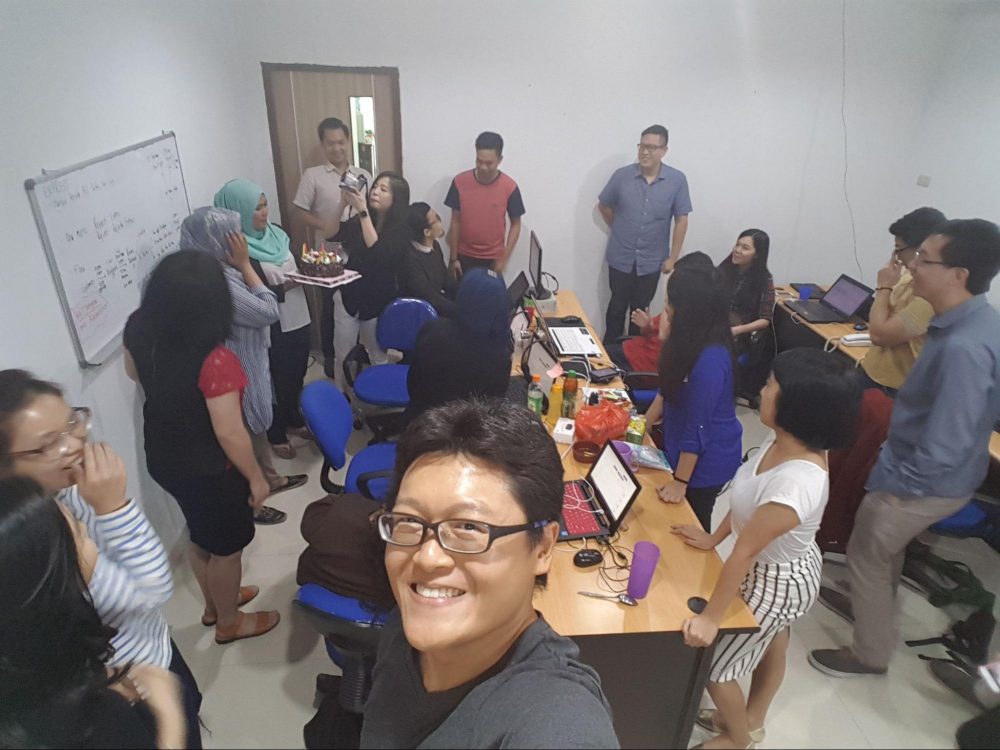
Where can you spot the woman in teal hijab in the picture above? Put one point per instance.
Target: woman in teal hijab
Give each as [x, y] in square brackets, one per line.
[290, 341]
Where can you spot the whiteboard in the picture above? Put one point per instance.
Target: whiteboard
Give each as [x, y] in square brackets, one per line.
[104, 224]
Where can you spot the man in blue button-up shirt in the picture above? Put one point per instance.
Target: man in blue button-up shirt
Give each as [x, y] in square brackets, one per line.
[936, 453]
[638, 203]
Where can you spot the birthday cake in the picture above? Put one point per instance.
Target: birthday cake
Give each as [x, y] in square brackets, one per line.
[321, 264]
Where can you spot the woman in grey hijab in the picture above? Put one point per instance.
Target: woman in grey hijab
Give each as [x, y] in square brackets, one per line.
[218, 231]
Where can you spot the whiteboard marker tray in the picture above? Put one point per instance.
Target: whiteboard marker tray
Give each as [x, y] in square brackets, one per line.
[345, 278]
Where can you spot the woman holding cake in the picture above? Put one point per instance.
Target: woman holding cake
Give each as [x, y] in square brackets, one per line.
[376, 240]
[289, 352]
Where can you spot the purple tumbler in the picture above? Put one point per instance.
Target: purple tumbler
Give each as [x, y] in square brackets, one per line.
[644, 559]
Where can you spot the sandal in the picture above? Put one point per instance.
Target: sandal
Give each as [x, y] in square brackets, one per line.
[283, 450]
[302, 432]
[708, 718]
[247, 595]
[268, 516]
[291, 482]
[262, 622]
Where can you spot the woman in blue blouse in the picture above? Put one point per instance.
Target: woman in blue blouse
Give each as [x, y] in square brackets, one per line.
[701, 436]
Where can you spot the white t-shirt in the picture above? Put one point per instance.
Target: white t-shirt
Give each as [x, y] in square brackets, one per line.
[294, 311]
[801, 485]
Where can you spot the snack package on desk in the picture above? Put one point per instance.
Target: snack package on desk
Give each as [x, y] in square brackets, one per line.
[610, 394]
[645, 456]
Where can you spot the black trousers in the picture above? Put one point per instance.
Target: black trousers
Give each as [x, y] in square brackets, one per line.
[326, 324]
[289, 356]
[702, 501]
[190, 697]
[468, 263]
[629, 291]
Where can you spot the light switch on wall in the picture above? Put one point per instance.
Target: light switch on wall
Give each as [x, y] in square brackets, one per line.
[923, 180]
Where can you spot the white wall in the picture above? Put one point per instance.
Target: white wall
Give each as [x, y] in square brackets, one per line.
[751, 92]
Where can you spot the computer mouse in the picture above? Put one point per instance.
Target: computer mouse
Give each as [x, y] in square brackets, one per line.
[585, 558]
[860, 327]
[572, 320]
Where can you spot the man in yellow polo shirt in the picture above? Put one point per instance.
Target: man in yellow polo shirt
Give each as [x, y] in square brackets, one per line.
[898, 319]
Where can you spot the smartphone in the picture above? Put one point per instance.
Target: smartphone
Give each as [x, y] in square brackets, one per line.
[991, 674]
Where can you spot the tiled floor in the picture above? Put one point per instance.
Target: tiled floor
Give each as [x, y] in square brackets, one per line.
[259, 693]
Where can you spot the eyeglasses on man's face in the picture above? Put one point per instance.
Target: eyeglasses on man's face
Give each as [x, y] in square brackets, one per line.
[77, 427]
[454, 534]
[649, 148]
[919, 259]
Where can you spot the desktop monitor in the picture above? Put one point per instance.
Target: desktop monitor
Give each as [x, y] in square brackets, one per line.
[535, 268]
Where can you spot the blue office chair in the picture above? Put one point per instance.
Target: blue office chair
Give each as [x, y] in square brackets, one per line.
[329, 417]
[385, 385]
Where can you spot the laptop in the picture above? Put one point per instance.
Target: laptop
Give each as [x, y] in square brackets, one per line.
[841, 301]
[516, 291]
[569, 340]
[589, 515]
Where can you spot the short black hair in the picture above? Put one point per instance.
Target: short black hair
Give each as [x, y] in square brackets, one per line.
[332, 123]
[973, 244]
[820, 398]
[417, 220]
[490, 140]
[18, 388]
[657, 130]
[916, 226]
[695, 260]
[507, 438]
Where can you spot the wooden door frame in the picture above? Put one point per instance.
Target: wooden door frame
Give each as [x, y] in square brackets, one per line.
[268, 68]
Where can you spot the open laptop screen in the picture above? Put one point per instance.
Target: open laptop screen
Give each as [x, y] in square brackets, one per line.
[846, 295]
[516, 291]
[614, 483]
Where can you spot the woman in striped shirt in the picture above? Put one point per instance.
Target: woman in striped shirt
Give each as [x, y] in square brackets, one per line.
[811, 403]
[44, 439]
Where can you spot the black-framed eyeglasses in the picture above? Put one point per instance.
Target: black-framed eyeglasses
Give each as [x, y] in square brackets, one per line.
[648, 149]
[918, 257]
[78, 427]
[903, 249]
[454, 534]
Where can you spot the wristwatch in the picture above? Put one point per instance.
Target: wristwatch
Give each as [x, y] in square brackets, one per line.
[363, 214]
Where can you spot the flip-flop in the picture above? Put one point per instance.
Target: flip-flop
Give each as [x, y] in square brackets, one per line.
[247, 595]
[283, 450]
[262, 623]
[291, 482]
[268, 516]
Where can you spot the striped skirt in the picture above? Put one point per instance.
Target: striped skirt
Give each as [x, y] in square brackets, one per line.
[778, 594]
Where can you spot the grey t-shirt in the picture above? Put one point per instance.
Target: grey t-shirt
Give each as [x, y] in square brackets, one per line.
[538, 696]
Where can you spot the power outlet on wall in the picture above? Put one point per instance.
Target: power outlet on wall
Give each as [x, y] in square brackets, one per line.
[923, 180]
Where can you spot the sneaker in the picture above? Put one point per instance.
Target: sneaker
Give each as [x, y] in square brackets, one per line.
[836, 602]
[268, 516]
[840, 662]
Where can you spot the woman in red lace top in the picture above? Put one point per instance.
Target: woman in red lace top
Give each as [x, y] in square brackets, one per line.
[197, 446]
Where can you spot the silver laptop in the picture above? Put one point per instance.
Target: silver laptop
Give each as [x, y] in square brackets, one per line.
[567, 340]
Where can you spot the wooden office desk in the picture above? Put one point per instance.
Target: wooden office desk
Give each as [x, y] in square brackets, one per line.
[653, 681]
[568, 304]
[786, 321]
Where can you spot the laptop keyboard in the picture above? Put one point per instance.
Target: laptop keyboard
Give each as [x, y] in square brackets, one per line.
[573, 341]
[577, 515]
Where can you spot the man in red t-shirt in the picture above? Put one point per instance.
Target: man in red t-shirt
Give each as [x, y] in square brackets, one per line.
[480, 201]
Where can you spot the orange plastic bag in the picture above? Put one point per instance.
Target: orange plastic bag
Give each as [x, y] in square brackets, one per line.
[601, 423]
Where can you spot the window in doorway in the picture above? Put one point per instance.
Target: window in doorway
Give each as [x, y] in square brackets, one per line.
[363, 132]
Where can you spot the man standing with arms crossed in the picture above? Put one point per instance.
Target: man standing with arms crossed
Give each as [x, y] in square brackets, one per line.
[638, 204]
[936, 454]
[480, 201]
[320, 204]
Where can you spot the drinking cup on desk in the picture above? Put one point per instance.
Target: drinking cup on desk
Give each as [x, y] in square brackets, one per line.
[805, 291]
[645, 555]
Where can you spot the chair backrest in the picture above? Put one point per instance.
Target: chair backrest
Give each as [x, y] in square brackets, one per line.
[329, 417]
[401, 321]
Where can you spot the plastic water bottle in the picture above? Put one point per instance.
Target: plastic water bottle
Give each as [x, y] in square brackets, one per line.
[535, 395]
[555, 403]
